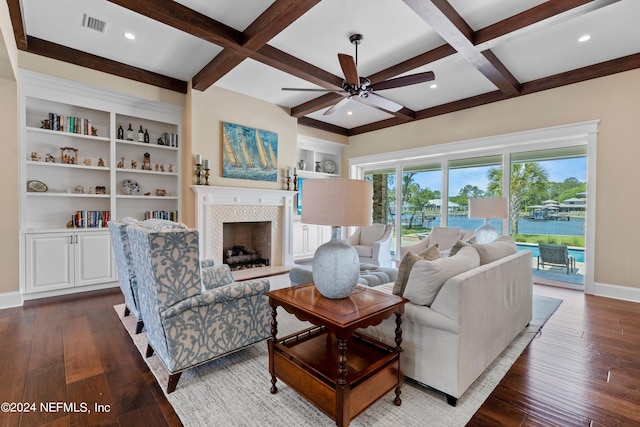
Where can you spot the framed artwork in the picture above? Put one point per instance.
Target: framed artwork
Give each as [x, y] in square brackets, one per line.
[249, 153]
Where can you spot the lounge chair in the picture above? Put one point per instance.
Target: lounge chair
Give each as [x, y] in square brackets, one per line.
[557, 255]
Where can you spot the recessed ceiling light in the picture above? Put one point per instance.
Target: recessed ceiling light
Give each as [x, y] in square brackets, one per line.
[349, 113]
[433, 86]
[584, 38]
[130, 36]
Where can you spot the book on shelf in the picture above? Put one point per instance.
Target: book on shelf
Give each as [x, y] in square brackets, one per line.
[70, 124]
[90, 219]
[170, 215]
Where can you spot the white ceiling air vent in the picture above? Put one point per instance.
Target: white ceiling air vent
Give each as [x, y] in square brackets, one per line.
[94, 23]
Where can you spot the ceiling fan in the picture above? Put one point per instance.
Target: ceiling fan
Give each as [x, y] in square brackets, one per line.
[356, 86]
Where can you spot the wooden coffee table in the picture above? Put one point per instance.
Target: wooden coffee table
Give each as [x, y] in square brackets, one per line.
[339, 370]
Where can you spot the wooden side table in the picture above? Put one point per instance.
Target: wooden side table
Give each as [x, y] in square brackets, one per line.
[337, 369]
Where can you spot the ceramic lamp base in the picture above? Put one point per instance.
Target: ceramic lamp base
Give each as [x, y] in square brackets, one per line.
[486, 233]
[336, 267]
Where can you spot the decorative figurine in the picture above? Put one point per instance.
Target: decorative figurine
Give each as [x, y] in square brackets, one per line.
[100, 189]
[87, 162]
[146, 162]
[134, 164]
[35, 157]
[48, 158]
[170, 167]
[301, 164]
[157, 167]
[69, 155]
[100, 162]
[120, 164]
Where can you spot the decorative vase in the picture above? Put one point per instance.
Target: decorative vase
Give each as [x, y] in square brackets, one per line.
[336, 267]
[318, 167]
[301, 164]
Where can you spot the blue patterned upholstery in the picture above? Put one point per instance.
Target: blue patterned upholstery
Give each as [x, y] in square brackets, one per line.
[124, 260]
[124, 267]
[189, 323]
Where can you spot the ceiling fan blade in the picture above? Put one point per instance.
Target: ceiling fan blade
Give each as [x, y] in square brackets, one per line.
[405, 81]
[312, 90]
[336, 106]
[381, 102]
[349, 69]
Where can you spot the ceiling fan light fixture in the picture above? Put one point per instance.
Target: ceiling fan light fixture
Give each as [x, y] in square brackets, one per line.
[433, 86]
[584, 38]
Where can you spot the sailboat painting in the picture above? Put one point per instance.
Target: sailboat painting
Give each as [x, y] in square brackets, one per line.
[249, 153]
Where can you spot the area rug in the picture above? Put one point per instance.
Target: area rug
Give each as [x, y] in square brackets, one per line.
[234, 390]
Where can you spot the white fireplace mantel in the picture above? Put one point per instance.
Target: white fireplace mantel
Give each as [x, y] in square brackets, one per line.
[216, 205]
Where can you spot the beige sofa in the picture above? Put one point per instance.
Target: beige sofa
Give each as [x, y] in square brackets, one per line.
[473, 317]
[445, 237]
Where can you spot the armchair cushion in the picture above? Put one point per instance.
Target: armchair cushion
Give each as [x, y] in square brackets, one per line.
[371, 234]
[216, 276]
[427, 277]
[445, 237]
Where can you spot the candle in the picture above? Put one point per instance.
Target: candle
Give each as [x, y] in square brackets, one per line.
[198, 159]
[206, 164]
[288, 173]
[295, 171]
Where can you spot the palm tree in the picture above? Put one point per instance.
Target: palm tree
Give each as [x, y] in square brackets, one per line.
[525, 177]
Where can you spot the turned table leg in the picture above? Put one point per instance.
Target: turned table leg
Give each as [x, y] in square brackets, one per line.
[272, 341]
[397, 401]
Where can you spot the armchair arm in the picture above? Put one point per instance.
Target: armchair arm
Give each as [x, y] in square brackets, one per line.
[206, 263]
[222, 294]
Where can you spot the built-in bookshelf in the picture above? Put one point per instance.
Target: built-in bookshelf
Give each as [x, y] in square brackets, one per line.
[77, 173]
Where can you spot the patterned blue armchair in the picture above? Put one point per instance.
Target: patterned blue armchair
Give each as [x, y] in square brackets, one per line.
[124, 260]
[124, 268]
[193, 315]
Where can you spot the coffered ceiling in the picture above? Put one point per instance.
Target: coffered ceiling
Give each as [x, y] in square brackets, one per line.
[480, 51]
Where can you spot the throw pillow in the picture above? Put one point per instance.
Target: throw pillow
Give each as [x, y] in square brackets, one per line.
[445, 237]
[431, 253]
[427, 277]
[457, 246]
[408, 260]
[501, 247]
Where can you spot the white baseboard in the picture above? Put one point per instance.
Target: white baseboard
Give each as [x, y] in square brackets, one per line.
[615, 291]
[69, 291]
[10, 299]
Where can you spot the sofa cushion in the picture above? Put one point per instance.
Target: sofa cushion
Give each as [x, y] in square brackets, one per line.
[371, 234]
[501, 247]
[445, 237]
[461, 244]
[427, 277]
[408, 260]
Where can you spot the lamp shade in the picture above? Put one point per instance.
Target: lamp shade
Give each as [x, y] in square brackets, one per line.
[337, 202]
[488, 208]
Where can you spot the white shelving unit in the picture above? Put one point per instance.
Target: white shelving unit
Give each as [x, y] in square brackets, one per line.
[307, 237]
[58, 257]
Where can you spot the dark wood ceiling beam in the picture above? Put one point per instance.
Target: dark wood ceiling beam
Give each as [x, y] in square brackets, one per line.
[270, 23]
[184, 19]
[317, 124]
[324, 101]
[444, 19]
[614, 66]
[543, 15]
[15, 14]
[375, 126]
[83, 59]
[282, 61]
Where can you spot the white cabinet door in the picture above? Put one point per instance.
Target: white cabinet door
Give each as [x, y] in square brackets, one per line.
[312, 241]
[94, 258]
[300, 233]
[49, 261]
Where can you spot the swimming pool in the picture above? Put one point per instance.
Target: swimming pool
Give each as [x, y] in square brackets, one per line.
[578, 254]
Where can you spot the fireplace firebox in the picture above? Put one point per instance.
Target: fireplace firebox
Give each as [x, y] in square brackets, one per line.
[246, 244]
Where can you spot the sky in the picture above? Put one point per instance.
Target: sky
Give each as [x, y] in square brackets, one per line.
[557, 170]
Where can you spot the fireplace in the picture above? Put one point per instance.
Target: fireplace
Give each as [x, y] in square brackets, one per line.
[217, 207]
[246, 244]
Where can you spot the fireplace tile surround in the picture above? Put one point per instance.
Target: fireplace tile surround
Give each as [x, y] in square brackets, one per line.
[216, 205]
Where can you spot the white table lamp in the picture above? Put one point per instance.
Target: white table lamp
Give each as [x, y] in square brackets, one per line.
[336, 202]
[488, 208]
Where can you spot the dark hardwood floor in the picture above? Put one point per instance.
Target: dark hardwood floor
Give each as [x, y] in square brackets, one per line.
[582, 370]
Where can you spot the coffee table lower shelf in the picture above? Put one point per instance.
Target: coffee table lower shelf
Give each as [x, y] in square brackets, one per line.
[308, 361]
